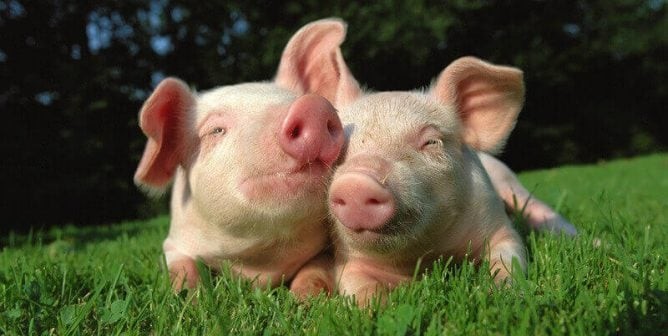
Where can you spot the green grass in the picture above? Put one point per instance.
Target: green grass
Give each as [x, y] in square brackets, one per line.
[110, 280]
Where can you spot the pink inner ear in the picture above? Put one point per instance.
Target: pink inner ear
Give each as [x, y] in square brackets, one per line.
[318, 71]
[312, 63]
[162, 119]
[487, 98]
[487, 111]
[160, 159]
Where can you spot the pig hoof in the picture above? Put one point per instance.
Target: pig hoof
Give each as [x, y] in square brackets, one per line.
[366, 301]
[552, 223]
[304, 289]
[369, 296]
[559, 225]
[183, 274]
[502, 278]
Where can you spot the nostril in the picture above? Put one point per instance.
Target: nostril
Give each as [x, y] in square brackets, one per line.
[331, 128]
[296, 131]
[373, 201]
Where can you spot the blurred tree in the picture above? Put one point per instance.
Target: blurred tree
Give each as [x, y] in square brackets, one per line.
[74, 75]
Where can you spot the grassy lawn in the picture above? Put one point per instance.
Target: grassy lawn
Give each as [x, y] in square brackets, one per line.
[110, 280]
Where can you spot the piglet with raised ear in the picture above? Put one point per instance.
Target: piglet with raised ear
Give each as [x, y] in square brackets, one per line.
[250, 164]
[411, 187]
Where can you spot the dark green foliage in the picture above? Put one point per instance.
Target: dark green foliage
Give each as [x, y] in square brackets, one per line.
[74, 75]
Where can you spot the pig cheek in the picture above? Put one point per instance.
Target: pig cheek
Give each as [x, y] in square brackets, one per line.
[415, 197]
[448, 192]
[212, 179]
[423, 186]
[440, 176]
[453, 170]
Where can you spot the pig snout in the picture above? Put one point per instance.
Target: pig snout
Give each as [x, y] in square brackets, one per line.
[312, 131]
[360, 202]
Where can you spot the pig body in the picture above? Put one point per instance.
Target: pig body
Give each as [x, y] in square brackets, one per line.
[539, 216]
[411, 187]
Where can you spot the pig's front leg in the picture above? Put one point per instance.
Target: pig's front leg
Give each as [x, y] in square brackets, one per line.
[538, 214]
[366, 279]
[182, 268]
[362, 286]
[314, 277]
[504, 246]
[183, 272]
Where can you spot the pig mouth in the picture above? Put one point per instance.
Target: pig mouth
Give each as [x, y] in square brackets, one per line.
[379, 242]
[398, 228]
[288, 183]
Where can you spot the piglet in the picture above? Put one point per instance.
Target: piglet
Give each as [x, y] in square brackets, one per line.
[411, 187]
[250, 165]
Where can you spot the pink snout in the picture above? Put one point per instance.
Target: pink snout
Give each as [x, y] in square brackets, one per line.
[360, 202]
[312, 131]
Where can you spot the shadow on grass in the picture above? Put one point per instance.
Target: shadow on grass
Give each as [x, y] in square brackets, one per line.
[77, 237]
[647, 314]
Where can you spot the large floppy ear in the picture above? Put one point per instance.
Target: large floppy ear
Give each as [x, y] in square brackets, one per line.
[312, 63]
[162, 119]
[487, 99]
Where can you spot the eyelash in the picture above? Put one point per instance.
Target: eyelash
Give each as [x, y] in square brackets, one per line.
[432, 142]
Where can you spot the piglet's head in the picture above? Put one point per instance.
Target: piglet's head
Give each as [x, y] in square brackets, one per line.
[409, 166]
[248, 150]
[253, 152]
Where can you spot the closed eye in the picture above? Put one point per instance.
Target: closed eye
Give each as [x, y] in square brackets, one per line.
[432, 143]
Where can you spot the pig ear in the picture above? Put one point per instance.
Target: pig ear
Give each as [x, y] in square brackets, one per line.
[487, 98]
[312, 63]
[162, 120]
